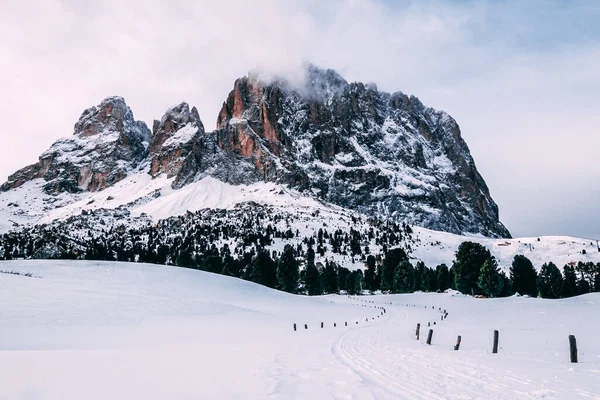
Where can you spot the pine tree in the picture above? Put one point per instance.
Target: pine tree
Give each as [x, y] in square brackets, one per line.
[506, 285]
[443, 277]
[419, 276]
[370, 273]
[330, 278]
[490, 280]
[350, 284]
[469, 258]
[597, 278]
[432, 278]
[264, 269]
[358, 281]
[392, 258]
[404, 278]
[583, 286]
[342, 276]
[550, 281]
[288, 273]
[211, 263]
[523, 276]
[312, 285]
[569, 282]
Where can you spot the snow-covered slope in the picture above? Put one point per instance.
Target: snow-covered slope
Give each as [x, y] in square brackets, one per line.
[436, 247]
[146, 201]
[117, 330]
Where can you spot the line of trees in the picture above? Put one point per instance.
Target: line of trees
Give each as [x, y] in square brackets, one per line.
[475, 271]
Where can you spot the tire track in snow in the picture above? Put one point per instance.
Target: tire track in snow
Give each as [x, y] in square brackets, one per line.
[394, 372]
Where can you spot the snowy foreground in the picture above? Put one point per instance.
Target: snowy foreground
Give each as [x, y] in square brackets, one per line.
[87, 330]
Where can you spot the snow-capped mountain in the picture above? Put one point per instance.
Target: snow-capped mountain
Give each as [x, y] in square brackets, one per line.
[351, 145]
[106, 146]
[327, 141]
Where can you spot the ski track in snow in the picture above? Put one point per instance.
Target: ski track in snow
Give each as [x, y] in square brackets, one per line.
[395, 372]
[157, 332]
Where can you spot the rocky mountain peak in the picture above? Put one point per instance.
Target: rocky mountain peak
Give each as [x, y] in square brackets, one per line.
[322, 84]
[174, 119]
[360, 148]
[107, 143]
[349, 144]
[110, 116]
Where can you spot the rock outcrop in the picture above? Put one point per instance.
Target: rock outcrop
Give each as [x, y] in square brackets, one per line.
[176, 145]
[360, 148]
[107, 144]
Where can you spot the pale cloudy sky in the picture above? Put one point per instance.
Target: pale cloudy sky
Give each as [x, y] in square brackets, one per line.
[521, 78]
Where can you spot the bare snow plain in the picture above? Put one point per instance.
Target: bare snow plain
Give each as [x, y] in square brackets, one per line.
[100, 330]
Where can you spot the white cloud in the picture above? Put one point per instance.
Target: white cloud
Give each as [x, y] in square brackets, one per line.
[521, 81]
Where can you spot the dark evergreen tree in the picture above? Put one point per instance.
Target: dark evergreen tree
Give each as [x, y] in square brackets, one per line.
[185, 259]
[443, 277]
[490, 281]
[392, 258]
[312, 281]
[506, 285]
[433, 283]
[330, 278]
[419, 276]
[523, 276]
[350, 284]
[370, 273]
[404, 278]
[467, 264]
[264, 269]
[569, 282]
[212, 263]
[583, 286]
[288, 273]
[550, 282]
[358, 281]
[597, 278]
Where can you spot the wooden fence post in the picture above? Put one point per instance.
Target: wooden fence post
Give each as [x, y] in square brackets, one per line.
[573, 348]
[418, 330]
[495, 348]
[429, 337]
[457, 345]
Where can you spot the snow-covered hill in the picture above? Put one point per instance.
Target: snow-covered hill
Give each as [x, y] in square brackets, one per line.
[146, 201]
[117, 330]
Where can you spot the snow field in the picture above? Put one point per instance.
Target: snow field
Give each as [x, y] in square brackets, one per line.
[100, 330]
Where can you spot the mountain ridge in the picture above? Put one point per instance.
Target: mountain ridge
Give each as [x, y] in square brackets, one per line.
[346, 144]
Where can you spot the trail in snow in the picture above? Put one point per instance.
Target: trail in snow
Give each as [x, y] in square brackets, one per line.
[394, 365]
[115, 330]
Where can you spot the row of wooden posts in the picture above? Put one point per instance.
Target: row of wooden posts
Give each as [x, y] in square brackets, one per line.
[572, 342]
[572, 339]
[383, 311]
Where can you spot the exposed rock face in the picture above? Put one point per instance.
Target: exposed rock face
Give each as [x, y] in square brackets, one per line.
[107, 144]
[357, 147]
[181, 149]
[176, 145]
[346, 143]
